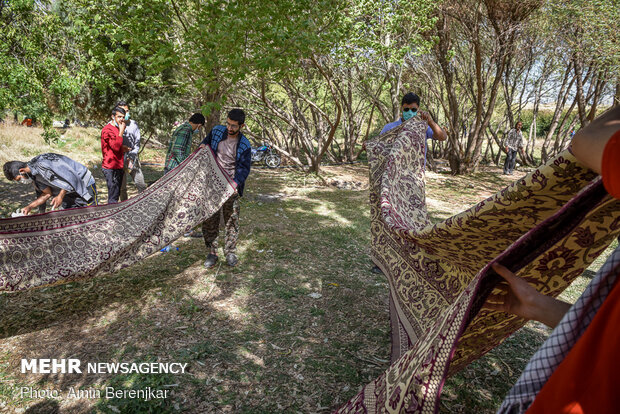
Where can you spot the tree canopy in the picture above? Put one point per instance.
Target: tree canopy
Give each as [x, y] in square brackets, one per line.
[318, 77]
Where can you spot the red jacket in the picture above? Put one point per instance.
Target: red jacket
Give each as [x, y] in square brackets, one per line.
[111, 147]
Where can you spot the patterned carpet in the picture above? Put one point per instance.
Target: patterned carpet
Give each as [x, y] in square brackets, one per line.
[548, 227]
[63, 246]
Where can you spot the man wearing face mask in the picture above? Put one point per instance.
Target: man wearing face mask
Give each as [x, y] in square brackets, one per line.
[131, 138]
[181, 142]
[68, 183]
[410, 107]
[113, 152]
[233, 154]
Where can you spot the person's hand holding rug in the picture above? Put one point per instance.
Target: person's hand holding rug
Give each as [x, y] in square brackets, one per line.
[520, 298]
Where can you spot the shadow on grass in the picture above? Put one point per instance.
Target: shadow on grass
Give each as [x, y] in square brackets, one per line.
[299, 325]
[483, 384]
[251, 335]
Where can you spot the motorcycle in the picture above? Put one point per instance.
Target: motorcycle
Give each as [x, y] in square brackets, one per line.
[266, 154]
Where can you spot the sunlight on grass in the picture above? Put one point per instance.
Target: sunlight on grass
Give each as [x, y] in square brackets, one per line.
[300, 315]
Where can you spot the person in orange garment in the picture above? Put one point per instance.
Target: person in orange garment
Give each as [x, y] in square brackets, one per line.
[577, 370]
[113, 152]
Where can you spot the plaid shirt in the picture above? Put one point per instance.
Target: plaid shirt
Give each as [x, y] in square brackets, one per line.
[514, 140]
[180, 145]
[563, 338]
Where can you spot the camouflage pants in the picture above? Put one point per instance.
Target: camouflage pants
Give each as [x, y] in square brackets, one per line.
[211, 227]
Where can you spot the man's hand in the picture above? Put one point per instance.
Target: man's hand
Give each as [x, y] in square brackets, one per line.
[26, 210]
[520, 298]
[126, 148]
[426, 116]
[438, 133]
[57, 201]
[121, 128]
[201, 146]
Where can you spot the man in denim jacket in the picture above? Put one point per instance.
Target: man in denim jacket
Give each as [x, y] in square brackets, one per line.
[233, 153]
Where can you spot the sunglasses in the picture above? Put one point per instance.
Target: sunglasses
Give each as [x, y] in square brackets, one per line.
[410, 109]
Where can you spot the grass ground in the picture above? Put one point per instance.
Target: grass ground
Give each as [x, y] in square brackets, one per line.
[298, 326]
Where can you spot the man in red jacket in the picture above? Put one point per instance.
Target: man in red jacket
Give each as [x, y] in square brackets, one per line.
[113, 149]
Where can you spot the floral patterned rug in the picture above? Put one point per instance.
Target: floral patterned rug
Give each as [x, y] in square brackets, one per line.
[68, 245]
[548, 227]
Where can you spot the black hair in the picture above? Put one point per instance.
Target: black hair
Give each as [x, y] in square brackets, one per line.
[410, 98]
[118, 109]
[237, 115]
[122, 103]
[197, 118]
[11, 169]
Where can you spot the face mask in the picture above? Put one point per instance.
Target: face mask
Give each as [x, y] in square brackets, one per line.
[409, 113]
[25, 180]
[127, 116]
[116, 124]
[196, 130]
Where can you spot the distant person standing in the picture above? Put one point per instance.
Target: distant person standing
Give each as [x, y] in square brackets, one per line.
[513, 142]
[181, 142]
[113, 150]
[131, 139]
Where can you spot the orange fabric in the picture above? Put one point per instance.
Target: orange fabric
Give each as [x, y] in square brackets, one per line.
[588, 380]
[610, 165]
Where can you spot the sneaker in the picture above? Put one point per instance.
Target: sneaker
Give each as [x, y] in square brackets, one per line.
[211, 261]
[231, 259]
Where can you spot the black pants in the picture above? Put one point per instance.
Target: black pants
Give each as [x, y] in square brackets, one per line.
[511, 160]
[113, 178]
[73, 200]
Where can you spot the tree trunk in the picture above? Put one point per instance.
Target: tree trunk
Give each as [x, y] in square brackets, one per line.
[561, 99]
[581, 101]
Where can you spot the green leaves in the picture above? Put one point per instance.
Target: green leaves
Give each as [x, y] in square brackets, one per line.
[35, 73]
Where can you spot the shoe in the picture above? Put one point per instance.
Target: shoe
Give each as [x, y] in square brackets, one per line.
[231, 259]
[211, 261]
[376, 269]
